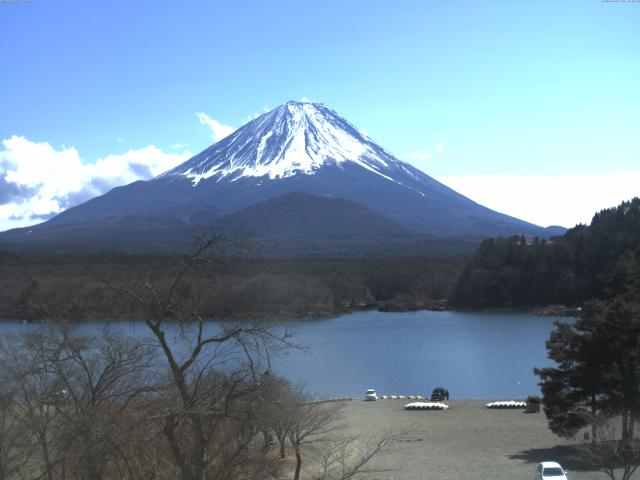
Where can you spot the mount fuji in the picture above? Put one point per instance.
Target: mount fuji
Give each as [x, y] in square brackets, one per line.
[298, 171]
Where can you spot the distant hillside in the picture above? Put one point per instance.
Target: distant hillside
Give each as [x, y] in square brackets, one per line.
[595, 261]
[294, 225]
[299, 214]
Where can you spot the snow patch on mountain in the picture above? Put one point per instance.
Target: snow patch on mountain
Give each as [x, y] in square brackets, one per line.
[295, 138]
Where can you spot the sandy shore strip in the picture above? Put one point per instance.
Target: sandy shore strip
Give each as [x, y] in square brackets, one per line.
[467, 441]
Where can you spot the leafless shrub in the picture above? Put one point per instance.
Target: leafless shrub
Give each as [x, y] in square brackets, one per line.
[343, 457]
[612, 452]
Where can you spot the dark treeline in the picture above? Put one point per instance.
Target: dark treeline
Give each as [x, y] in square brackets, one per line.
[81, 287]
[596, 261]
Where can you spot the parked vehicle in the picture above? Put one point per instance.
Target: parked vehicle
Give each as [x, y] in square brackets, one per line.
[533, 404]
[439, 394]
[550, 471]
[370, 395]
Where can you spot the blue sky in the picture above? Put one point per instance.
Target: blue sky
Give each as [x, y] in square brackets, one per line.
[537, 100]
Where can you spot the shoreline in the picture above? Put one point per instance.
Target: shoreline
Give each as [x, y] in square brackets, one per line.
[466, 441]
[383, 307]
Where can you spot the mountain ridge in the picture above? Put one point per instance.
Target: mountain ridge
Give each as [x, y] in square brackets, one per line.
[296, 147]
[297, 137]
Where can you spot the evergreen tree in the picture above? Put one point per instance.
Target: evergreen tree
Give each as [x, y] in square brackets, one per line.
[598, 369]
[601, 260]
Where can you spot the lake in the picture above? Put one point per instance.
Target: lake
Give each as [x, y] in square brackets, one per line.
[473, 355]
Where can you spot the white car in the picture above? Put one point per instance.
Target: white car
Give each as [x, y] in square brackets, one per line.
[370, 395]
[550, 471]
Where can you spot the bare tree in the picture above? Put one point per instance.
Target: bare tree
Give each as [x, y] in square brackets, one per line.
[270, 411]
[74, 396]
[310, 422]
[281, 401]
[214, 372]
[614, 450]
[344, 457]
[14, 453]
[194, 400]
[34, 389]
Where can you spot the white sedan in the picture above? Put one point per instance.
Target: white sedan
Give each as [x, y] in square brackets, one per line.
[370, 395]
[550, 471]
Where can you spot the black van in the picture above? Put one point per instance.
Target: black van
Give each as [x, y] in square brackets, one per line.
[533, 404]
[439, 394]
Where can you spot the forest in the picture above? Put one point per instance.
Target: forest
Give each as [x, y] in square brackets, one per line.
[600, 261]
[68, 287]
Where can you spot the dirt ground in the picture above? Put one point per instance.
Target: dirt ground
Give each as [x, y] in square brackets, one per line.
[468, 441]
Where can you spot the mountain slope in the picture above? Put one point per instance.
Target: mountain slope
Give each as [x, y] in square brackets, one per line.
[297, 147]
[302, 215]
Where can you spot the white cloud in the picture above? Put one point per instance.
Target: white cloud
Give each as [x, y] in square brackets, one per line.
[419, 156]
[38, 181]
[218, 130]
[248, 118]
[423, 155]
[38, 165]
[253, 116]
[133, 165]
[548, 200]
[177, 146]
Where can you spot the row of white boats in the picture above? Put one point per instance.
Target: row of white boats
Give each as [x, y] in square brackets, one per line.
[401, 397]
[503, 404]
[507, 404]
[426, 406]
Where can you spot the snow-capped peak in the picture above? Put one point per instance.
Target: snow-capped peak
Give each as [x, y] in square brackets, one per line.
[294, 138]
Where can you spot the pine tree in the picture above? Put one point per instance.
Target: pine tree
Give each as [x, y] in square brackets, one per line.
[598, 369]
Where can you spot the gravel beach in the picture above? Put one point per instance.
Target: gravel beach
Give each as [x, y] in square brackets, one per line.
[468, 441]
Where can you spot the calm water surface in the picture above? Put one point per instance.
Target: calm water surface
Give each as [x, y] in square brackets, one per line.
[474, 355]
